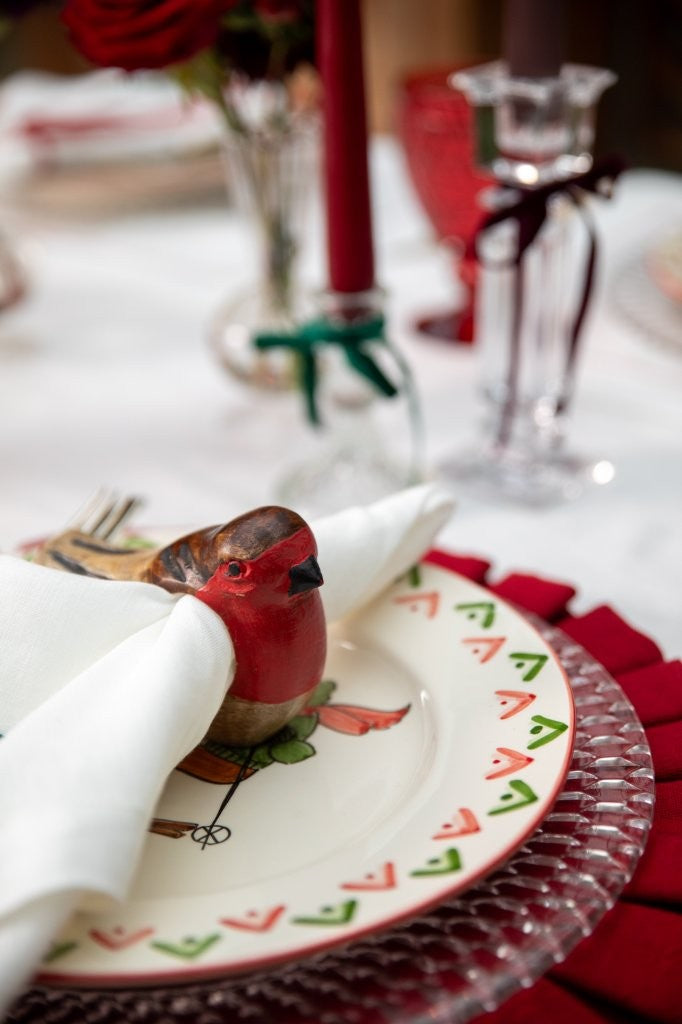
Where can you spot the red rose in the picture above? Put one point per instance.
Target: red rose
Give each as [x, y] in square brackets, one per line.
[135, 34]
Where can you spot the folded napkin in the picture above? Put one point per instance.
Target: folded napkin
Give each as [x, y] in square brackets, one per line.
[102, 115]
[105, 686]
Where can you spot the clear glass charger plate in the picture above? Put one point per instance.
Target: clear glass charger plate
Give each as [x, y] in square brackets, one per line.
[471, 951]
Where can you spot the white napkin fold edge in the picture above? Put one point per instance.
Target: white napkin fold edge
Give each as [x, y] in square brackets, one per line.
[168, 650]
[411, 520]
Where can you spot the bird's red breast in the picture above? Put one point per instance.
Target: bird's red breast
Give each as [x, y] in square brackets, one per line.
[272, 608]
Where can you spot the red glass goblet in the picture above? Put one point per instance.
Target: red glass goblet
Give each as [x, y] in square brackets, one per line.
[435, 127]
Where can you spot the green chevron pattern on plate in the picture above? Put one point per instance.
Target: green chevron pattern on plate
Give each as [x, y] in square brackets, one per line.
[341, 913]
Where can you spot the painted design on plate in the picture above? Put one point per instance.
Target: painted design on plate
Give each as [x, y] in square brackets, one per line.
[555, 730]
[484, 648]
[426, 603]
[58, 950]
[171, 828]
[188, 948]
[487, 798]
[444, 865]
[463, 823]
[339, 914]
[218, 763]
[375, 881]
[520, 701]
[481, 611]
[119, 937]
[525, 794]
[508, 762]
[255, 920]
[529, 664]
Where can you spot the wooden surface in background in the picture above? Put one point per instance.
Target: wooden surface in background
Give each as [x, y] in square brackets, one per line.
[404, 35]
[641, 40]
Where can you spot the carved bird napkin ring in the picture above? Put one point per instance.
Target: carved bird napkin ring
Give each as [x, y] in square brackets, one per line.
[260, 574]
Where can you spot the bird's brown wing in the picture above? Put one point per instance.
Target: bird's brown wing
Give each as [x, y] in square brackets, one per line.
[185, 565]
[76, 552]
[178, 567]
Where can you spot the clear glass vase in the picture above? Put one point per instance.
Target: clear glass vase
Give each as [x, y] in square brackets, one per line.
[271, 151]
[366, 444]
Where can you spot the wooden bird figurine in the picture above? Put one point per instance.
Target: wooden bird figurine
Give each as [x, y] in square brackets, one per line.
[259, 572]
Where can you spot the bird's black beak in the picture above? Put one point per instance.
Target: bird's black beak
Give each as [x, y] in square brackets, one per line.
[305, 576]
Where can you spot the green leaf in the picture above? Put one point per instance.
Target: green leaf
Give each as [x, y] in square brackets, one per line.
[322, 693]
[204, 75]
[138, 543]
[236, 754]
[303, 725]
[282, 735]
[292, 752]
[261, 757]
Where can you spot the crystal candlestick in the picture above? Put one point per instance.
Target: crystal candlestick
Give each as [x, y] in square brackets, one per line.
[536, 253]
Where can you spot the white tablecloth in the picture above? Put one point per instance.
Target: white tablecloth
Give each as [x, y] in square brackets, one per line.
[106, 379]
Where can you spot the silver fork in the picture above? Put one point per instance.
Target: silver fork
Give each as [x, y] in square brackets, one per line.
[104, 514]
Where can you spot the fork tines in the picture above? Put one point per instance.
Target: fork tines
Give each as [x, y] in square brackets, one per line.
[104, 514]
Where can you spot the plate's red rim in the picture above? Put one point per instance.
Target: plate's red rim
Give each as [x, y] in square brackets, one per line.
[439, 560]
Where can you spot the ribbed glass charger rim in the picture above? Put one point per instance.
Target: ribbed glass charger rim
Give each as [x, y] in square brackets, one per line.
[471, 953]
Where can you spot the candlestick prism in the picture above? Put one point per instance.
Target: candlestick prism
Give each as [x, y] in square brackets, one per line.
[537, 251]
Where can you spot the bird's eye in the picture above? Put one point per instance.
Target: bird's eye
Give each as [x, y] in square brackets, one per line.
[234, 569]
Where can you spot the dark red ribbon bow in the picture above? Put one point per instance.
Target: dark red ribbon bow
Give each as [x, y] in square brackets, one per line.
[530, 209]
[530, 212]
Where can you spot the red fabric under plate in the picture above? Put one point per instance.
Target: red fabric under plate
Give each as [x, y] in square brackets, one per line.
[466, 565]
[666, 749]
[543, 597]
[550, 1003]
[668, 817]
[633, 961]
[630, 969]
[656, 691]
[658, 879]
[609, 639]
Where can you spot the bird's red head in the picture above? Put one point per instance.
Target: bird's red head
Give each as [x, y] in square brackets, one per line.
[266, 556]
[259, 573]
[284, 571]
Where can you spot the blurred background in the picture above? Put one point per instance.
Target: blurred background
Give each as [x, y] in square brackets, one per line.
[641, 40]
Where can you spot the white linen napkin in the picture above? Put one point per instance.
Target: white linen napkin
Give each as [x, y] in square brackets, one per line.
[105, 686]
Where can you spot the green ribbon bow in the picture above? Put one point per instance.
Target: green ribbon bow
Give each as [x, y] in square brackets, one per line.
[350, 337]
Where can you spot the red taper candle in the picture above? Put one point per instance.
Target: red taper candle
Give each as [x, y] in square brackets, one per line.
[532, 38]
[349, 219]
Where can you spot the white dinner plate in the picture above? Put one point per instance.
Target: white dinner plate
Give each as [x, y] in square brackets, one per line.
[438, 741]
